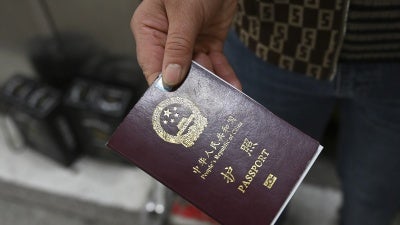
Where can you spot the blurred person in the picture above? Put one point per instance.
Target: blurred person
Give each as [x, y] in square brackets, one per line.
[299, 58]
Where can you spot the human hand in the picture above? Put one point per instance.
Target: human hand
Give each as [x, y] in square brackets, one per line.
[170, 33]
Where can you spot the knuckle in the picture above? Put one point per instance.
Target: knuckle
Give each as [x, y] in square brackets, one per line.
[134, 23]
[135, 18]
[179, 44]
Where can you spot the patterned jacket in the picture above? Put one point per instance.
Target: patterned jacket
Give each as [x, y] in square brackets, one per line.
[312, 36]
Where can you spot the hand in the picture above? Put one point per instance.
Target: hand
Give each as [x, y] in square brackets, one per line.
[170, 33]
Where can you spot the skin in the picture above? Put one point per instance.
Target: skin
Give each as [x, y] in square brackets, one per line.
[170, 33]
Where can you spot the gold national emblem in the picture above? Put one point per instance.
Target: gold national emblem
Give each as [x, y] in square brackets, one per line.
[178, 120]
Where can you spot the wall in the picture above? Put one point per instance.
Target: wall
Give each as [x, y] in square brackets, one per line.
[105, 21]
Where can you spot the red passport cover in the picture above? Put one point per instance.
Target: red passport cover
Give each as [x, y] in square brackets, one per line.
[217, 148]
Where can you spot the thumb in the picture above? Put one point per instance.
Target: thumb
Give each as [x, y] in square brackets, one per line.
[182, 32]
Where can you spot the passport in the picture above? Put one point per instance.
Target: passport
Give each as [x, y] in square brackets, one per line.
[217, 148]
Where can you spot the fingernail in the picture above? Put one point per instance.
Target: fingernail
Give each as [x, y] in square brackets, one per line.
[172, 76]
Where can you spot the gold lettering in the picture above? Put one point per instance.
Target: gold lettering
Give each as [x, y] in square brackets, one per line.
[254, 169]
[258, 163]
[214, 145]
[228, 175]
[231, 119]
[252, 173]
[217, 149]
[249, 177]
[241, 188]
[208, 171]
[196, 169]
[247, 183]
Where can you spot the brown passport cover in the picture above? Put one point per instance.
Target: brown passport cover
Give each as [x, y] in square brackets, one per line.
[217, 148]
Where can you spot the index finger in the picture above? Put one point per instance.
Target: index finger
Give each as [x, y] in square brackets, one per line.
[149, 26]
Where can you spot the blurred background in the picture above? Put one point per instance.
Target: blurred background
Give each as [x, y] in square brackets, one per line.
[68, 76]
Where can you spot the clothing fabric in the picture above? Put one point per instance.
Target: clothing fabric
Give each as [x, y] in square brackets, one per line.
[311, 36]
[368, 98]
[372, 32]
